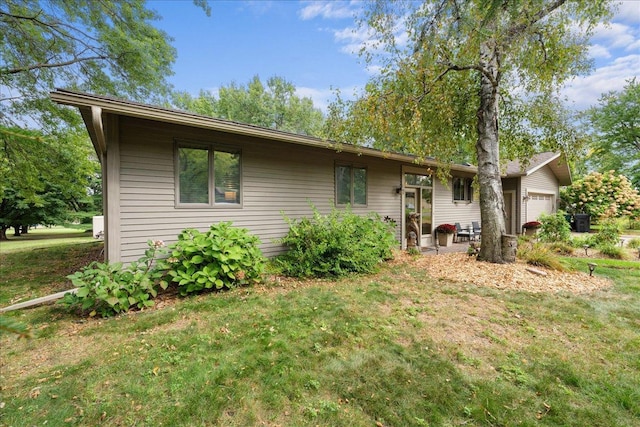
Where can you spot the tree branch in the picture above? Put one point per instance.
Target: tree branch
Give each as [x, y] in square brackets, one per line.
[516, 30]
[75, 60]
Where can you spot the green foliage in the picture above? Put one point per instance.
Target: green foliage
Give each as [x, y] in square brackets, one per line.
[336, 244]
[11, 326]
[562, 247]
[606, 194]
[612, 251]
[616, 122]
[634, 243]
[554, 228]
[222, 257]
[275, 106]
[608, 233]
[540, 255]
[108, 289]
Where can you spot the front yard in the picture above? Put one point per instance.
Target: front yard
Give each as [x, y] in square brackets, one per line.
[398, 348]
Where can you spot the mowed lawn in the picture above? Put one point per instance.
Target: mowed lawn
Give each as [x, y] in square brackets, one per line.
[397, 348]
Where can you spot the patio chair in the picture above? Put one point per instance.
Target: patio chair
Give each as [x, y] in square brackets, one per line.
[462, 233]
[477, 230]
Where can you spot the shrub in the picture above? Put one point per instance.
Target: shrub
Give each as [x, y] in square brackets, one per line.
[109, 289]
[335, 244]
[554, 228]
[608, 234]
[562, 248]
[222, 257]
[634, 243]
[612, 251]
[539, 255]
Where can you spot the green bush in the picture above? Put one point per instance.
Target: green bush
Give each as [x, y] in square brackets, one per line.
[108, 289]
[560, 247]
[336, 244]
[608, 233]
[634, 243]
[555, 228]
[539, 255]
[612, 251]
[222, 257]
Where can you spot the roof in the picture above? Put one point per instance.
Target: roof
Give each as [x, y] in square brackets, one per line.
[93, 106]
[556, 162]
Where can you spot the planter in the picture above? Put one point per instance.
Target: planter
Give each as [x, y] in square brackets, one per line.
[530, 231]
[445, 239]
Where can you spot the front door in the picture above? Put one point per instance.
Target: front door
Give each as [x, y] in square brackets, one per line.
[418, 200]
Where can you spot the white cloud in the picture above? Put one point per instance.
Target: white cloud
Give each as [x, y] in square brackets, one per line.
[599, 51]
[326, 10]
[323, 97]
[628, 12]
[584, 92]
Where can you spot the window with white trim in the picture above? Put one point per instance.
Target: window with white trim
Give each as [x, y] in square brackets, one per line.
[351, 185]
[207, 176]
[462, 189]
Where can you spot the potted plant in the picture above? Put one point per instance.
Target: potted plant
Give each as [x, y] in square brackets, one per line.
[445, 234]
[531, 228]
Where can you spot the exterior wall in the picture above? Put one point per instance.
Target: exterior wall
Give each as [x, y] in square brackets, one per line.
[541, 181]
[446, 210]
[276, 178]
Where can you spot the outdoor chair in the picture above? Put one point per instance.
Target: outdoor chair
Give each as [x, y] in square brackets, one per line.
[462, 233]
[477, 230]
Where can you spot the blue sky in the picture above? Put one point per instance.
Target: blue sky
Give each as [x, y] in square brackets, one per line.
[314, 44]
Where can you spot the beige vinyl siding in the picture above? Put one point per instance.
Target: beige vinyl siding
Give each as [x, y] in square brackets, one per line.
[276, 178]
[541, 181]
[445, 210]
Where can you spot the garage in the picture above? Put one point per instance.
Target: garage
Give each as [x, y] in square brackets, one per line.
[539, 203]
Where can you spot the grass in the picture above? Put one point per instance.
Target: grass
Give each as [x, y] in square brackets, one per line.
[44, 237]
[393, 349]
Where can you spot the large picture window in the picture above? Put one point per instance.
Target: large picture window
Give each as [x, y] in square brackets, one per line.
[207, 176]
[462, 189]
[351, 185]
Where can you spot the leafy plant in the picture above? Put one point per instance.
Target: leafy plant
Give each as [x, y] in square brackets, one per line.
[554, 228]
[108, 289]
[539, 255]
[336, 244]
[222, 257]
[634, 243]
[608, 234]
[612, 251]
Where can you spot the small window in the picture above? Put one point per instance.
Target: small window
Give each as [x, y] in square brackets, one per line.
[351, 185]
[207, 176]
[462, 189]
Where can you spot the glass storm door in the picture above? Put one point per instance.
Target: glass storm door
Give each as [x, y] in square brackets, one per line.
[418, 200]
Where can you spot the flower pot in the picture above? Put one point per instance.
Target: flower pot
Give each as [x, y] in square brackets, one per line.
[445, 239]
[530, 231]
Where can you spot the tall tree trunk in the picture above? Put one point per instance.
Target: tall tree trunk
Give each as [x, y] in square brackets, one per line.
[488, 151]
[16, 230]
[3, 232]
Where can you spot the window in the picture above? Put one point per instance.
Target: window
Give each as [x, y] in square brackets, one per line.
[351, 185]
[462, 189]
[207, 176]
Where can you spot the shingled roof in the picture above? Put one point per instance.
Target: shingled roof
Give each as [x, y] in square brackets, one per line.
[556, 162]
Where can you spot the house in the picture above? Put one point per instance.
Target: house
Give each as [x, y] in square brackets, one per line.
[533, 189]
[165, 170]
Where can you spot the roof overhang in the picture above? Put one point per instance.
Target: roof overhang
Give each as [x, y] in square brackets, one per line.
[93, 107]
[557, 162]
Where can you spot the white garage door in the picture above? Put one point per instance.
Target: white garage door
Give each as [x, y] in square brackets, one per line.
[537, 204]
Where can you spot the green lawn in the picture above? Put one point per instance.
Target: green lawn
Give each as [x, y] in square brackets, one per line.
[44, 237]
[392, 349]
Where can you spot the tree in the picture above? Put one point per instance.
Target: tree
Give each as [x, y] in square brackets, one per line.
[603, 195]
[107, 47]
[616, 122]
[461, 74]
[49, 176]
[275, 106]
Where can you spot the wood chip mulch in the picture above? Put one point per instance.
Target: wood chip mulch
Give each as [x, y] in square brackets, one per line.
[459, 267]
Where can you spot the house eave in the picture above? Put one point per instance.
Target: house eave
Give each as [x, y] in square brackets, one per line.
[106, 105]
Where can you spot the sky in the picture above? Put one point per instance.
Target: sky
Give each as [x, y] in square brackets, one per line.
[314, 45]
